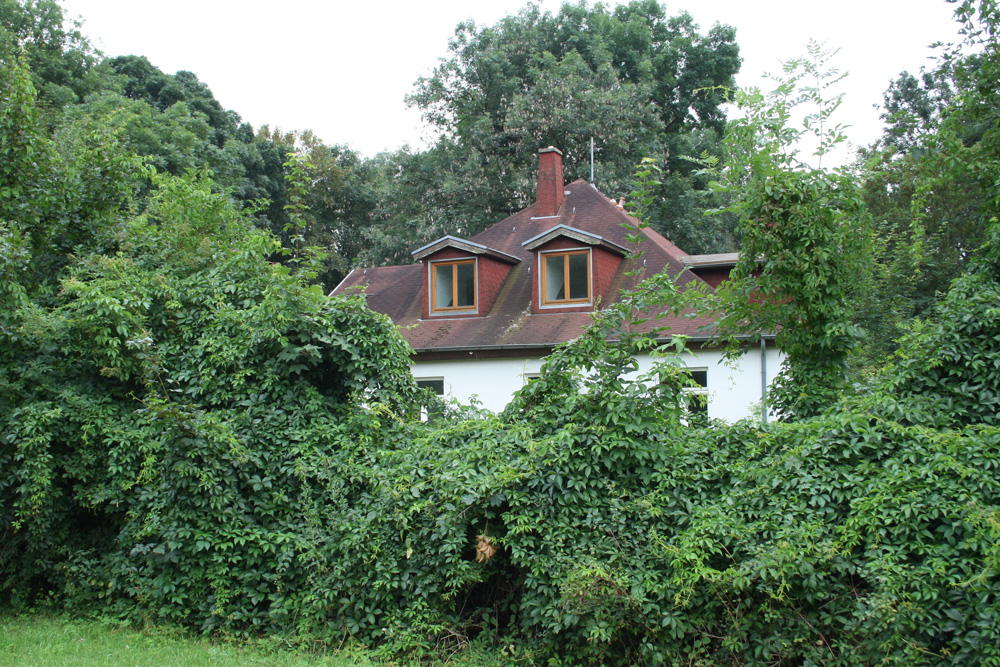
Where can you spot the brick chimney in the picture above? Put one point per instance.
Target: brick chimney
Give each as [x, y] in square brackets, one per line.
[551, 190]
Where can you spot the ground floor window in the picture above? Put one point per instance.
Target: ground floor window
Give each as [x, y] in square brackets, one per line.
[436, 386]
[697, 394]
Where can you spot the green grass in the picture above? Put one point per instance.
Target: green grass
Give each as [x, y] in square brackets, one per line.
[48, 640]
[45, 640]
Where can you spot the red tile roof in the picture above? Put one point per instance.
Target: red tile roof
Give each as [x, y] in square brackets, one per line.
[397, 290]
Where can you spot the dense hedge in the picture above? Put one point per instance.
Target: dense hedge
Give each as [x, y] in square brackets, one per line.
[168, 420]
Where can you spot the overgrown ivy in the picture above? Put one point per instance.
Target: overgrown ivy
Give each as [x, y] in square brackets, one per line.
[805, 236]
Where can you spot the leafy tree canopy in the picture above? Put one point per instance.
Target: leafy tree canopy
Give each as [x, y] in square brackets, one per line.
[63, 64]
[638, 82]
[143, 81]
[931, 182]
[805, 232]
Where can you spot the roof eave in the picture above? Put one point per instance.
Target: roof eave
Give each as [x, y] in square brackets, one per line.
[531, 346]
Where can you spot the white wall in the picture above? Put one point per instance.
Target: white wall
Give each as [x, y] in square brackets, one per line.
[491, 381]
[733, 390]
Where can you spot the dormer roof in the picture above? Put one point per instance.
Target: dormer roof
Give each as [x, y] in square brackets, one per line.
[721, 259]
[465, 246]
[578, 235]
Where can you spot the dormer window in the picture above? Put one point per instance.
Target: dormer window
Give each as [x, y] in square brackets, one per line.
[461, 278]
[453, 286]
[575, 268]
[565, 278]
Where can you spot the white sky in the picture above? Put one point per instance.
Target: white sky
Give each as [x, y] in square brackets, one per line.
[342, 68]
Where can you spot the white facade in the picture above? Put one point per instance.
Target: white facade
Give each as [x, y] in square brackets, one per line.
[734, 389]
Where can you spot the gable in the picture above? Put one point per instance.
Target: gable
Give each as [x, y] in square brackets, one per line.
[461, 278]
[558, 250]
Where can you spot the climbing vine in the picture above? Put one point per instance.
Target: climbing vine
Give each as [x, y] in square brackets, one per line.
[805, 234]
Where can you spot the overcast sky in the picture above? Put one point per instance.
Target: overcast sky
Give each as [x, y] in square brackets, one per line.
[342, 69]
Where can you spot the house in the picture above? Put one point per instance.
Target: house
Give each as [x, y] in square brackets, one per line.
[482, 313]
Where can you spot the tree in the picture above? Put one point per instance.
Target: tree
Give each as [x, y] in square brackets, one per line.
[173, 140]
[926, 238]
[636, 81]
[422, 196]
[64, 66]
[101, 306]
[145, 82]
[343, 201]
[63, 196]
[805, 234]
[930, 184]
[914, 107]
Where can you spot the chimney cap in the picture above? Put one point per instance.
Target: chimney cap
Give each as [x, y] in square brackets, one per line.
[550, 149]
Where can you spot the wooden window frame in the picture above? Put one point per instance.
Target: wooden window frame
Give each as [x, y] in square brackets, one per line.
[542, 277]
[454, 263]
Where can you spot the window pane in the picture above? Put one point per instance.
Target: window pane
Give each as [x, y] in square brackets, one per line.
[443, 286]
[698, 403]
[697, 397]
[578, 288]
[437, 386]
[555, 279]
[434, 409]
[466, 285]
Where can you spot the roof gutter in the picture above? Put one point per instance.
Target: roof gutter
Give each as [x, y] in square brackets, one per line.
[479, 348]
[741, 337]
[535, 346]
